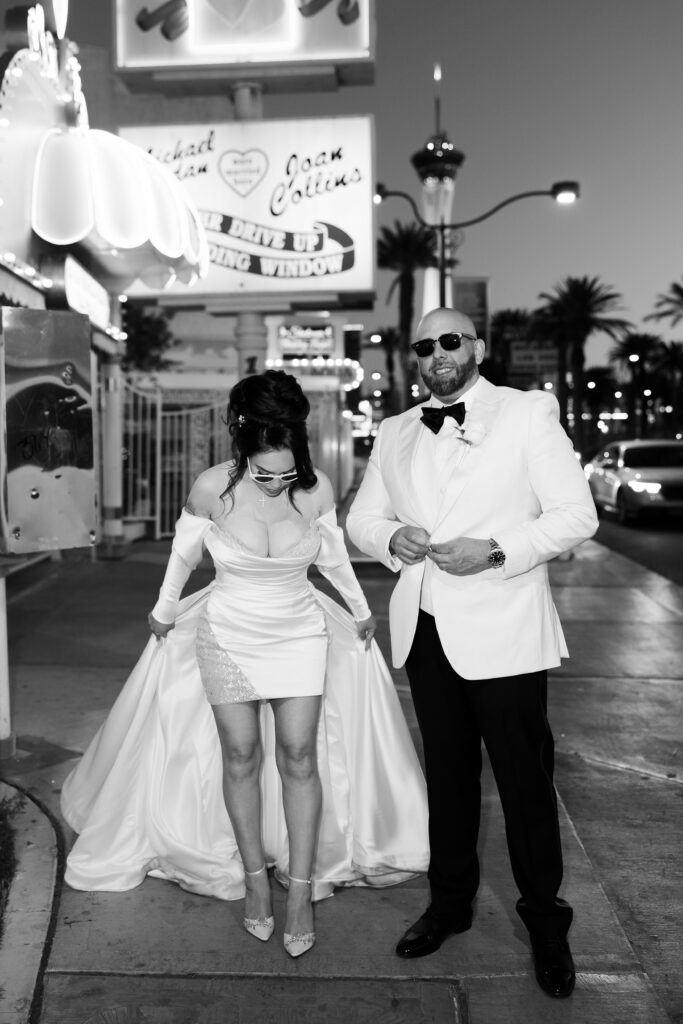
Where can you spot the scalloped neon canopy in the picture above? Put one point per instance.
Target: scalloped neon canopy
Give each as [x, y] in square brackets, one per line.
[95, 189]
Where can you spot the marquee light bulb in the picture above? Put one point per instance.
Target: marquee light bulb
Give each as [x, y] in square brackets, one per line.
[60, 9]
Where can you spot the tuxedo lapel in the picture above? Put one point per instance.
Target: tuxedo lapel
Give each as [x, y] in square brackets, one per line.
[415, 466]
[480, 422]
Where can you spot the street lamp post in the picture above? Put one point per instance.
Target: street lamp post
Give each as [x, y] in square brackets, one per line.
[437, 165]
[563, 192]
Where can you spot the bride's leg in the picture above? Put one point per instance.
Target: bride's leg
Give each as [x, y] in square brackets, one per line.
[238, 731]
[296, 728]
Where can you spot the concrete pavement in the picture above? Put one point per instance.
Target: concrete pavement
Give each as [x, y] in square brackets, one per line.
[159, 954]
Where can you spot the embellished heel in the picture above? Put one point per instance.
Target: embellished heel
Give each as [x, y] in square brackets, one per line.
[300, 942]
[260, 927]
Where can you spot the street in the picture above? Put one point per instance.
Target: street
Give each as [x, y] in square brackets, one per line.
[656, 543]
[618, 767]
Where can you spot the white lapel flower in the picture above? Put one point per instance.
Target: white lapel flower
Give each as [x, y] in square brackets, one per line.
[477, 425]
[472, 434]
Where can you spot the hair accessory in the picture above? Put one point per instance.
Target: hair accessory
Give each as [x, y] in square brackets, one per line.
[241, 419]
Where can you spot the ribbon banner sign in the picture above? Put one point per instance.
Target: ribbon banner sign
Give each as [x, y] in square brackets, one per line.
[174, 34]
[286, 205]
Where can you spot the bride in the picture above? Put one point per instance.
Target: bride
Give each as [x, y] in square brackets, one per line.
[260, 727]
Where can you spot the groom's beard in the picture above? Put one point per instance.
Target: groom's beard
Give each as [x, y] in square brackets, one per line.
[450, 383]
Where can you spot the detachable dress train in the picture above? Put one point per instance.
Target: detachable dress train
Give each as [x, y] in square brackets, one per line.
[146, 798]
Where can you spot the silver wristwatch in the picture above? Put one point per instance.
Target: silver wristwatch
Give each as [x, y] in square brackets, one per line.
[496, 557]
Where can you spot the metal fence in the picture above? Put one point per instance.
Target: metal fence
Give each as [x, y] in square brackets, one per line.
[165, 450]
[141, 431]
[191, 441]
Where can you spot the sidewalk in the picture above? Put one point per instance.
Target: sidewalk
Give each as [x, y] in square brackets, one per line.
[159, 954]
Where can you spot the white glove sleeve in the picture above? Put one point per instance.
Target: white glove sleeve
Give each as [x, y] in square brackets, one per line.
[335, 565]
[186, 554]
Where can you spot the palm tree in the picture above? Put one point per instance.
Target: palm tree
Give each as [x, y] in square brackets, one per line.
[669, 362]
[578, 308]
[405, 248]
[638, 353]
[149, 338]
[669, 305]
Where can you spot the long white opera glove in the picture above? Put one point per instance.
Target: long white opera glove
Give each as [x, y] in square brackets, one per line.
[335, 565]
[186, 554]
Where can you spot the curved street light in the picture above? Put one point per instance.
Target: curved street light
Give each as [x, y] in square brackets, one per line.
[563, 192]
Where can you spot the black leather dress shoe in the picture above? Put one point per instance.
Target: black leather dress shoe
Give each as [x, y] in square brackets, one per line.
[555, 971]
[427, 934]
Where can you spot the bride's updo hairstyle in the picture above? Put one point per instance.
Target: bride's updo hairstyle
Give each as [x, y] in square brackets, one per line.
[266, 412]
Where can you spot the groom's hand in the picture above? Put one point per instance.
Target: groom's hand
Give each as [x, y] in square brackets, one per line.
[463, 556]
[410, 544]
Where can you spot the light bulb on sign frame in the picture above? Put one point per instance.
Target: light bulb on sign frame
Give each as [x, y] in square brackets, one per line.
[60, 10]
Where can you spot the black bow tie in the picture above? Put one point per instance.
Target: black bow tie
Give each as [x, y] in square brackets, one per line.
[434, 417]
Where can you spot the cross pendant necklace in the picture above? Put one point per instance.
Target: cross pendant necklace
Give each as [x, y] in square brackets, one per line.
[262, 500]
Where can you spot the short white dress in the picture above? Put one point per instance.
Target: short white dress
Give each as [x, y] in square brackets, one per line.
[147, 796]
[263, 633]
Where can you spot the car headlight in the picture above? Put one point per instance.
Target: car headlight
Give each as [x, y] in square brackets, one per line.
[644, 487]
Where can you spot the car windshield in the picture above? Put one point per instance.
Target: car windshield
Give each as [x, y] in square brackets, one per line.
[653, 456]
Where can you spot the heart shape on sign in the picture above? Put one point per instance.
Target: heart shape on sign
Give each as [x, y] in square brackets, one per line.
[231, 10]
[250, 16]
[242, 171]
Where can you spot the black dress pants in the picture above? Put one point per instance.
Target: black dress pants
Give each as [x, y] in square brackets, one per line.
[509, 715]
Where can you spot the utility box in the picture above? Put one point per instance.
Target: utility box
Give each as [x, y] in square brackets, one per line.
[47, 454]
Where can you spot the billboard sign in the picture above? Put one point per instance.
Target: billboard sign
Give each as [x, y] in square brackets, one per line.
[179, 34]
[295, 340]
[532, 362]
[471, 296]
[286, 206]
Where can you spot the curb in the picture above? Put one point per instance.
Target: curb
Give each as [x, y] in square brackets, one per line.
[30, 913]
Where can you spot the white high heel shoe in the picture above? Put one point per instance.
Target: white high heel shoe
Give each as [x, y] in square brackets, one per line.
[301, 942]
[260, 927]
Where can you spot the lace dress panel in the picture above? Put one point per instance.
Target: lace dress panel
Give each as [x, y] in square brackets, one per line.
[224, 682]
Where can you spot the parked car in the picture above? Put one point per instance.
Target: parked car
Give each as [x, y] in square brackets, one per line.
[632, 477]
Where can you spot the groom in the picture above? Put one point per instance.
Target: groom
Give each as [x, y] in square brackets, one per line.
[470, 495]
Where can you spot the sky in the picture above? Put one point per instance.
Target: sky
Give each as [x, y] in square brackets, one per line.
[533, 92]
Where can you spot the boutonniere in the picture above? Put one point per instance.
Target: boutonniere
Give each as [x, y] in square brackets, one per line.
[477, 426]
[472, 434]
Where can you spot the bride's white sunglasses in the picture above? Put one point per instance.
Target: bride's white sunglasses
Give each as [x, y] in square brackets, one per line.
[265, 478]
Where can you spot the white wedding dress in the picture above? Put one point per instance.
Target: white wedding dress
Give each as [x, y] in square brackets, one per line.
[146, 798]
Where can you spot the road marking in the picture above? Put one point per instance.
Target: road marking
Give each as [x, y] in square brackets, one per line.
[622, 767]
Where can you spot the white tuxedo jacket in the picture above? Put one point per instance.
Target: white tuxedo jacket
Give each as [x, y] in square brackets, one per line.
[520, 483]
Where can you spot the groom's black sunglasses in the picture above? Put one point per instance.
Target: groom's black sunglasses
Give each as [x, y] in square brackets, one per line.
[449, 343]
